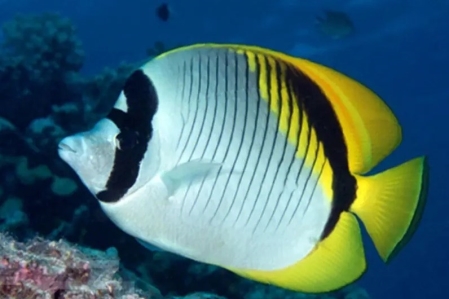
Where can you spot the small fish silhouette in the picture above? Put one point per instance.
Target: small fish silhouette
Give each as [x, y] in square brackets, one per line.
[163, 12]
[335, 24]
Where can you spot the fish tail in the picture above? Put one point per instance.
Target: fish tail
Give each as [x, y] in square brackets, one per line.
[390, 204]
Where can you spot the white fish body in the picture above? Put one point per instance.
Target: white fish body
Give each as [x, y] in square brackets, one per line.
[203, 222]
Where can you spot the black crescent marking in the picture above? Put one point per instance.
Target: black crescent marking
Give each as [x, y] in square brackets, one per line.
[142, 102]
[323, 119]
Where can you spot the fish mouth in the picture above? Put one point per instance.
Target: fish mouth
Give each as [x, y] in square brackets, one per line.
[65, 147]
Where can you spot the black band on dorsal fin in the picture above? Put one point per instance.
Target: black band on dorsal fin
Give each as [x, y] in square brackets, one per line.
[324, 120]
[142, 102]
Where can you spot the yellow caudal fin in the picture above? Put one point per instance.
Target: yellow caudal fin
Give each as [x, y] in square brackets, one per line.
[337, 261]
[390, 204]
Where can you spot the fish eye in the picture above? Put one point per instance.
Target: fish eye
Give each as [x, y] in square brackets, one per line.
[126, 140]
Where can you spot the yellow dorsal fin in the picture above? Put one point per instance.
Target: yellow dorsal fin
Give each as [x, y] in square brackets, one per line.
[371, 130]
[336, 262]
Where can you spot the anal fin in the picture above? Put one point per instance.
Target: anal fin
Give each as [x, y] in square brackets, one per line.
[336, 262]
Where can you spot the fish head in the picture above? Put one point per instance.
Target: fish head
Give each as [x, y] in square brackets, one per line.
[121, 153]
[91, 154]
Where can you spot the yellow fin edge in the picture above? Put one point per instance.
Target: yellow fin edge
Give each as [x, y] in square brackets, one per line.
[360, 111]
[337, 261]
[391, 203]
[362, 115]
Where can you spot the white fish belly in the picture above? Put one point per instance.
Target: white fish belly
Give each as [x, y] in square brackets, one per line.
[263, 210]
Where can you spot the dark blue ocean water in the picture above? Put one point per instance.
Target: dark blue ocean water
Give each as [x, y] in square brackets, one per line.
[400, 49]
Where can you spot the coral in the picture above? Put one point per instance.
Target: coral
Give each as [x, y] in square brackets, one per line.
[44, 269]
[45, 43]
[198, 296]
[42, 89]
[26, 175]
[38, 53]
[63, 186]
[43, 98]
[29, 176]
[69, 228]
[101, 91]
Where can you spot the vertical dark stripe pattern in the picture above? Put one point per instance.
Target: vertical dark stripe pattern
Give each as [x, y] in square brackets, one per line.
[277, 99]
[235, 99]
[136, 130]
[211, 97]
[323, 119]
[260, 59]
[282, 83]
[195, 64]
[189, 75]
[183, 96]
[300, 108]
[246, 75]
[227, 143]
[253, 137]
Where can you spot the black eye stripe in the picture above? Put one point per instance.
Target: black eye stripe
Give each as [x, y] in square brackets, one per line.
[127, 140]
[141, 98]
[118, 117]
[142, 101]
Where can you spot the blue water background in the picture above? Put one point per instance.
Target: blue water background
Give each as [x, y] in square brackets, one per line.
[400, 49]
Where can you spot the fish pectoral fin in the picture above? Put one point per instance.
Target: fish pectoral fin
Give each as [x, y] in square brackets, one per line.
[337, 261]
[189, 172]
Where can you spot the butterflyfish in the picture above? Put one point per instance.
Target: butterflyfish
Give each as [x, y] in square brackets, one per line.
[254, 161]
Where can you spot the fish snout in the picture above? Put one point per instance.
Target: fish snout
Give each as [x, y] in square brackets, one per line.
[72, 145]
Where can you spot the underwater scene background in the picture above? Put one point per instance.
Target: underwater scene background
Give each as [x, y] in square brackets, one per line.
[63, 64]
